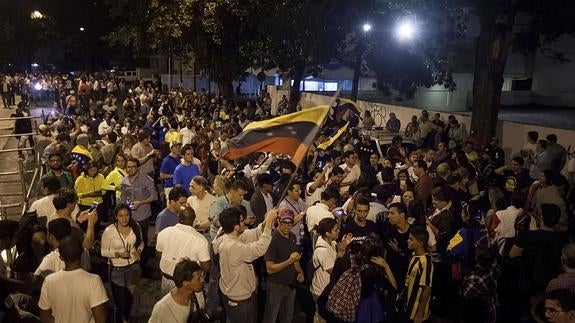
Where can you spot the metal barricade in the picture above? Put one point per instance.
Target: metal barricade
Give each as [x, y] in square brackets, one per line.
[27, 184]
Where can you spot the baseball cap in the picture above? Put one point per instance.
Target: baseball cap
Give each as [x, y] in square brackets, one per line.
[42, 127]
[286, 214]
[175, 143]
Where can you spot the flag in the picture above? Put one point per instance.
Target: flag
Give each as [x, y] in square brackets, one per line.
[333, 138]
[290, 134]
[344, 108]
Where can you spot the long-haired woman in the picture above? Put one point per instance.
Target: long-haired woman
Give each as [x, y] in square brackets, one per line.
[122, 244]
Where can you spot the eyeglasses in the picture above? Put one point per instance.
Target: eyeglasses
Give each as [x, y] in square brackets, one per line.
[288, 223]
[552, 311]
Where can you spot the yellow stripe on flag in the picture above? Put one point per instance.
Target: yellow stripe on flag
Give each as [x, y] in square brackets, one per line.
[316, 115]
[332, 139]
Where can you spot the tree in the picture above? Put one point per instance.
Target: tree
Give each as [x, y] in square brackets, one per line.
[212, 32]
[300, 36]
[548, 20]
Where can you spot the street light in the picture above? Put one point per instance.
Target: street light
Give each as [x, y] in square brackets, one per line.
[367, 27]
[82, 29]
[36, 15]
[405, 30]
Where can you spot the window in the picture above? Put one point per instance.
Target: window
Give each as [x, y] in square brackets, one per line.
[330, 86]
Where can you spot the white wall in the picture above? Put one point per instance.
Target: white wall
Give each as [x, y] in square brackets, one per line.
[439, 98]
[511, 134]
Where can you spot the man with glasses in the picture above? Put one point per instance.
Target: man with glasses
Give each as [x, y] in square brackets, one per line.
[560, 306]
[56, 170]
[138, 192]
[234, 197]
[284, 271]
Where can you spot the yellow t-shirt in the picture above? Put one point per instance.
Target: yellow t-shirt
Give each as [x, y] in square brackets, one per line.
[114, 179]
[85, 184]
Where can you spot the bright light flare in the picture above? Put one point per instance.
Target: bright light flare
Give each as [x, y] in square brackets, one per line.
[82, 29]
[405, 30]
[37, 86]
[36, 15]
[367, 27]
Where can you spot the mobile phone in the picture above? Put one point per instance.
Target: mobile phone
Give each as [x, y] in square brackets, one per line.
[93, 207]
[339, 213]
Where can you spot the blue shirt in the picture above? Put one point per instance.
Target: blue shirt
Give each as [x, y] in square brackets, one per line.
[169, 164]
[165, 219]
[183, 175]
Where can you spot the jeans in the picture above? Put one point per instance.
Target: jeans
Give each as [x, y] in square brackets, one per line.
[279, 303]
[245, 311]
[144, 226]
[123, 281]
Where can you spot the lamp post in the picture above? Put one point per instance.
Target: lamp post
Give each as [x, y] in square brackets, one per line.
[366, 28]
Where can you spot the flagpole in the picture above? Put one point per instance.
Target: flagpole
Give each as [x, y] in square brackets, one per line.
[298, 166]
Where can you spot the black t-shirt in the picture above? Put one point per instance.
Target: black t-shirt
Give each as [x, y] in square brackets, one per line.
[398, 261]
[541, 258]
[516, 182]
[279, 251]
[358, 231]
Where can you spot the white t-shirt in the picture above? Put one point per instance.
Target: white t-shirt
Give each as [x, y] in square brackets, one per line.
[71, 295]
[166, 310]
[52, 263]
[178, 242]
[323, 259]
[352, 176]
[311, 198]
[201, 207]
[316, 213]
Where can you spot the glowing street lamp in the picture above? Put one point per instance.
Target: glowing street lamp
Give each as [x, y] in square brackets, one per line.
[36, 15]
[82, 29]
[405, 30]
[367, 27]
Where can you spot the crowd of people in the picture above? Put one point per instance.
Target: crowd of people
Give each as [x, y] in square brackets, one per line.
[437, 227]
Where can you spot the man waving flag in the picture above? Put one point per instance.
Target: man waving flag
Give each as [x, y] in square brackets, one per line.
[290, 134]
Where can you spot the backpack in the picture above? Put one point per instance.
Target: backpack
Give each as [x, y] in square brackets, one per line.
[310, 268]
[344, 298]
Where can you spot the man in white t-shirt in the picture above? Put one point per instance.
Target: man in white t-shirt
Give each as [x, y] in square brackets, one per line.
[58, 230]
[72, 294]
[201, 201]
[352, 172]
[178, 242]
[322, 210]
[185, 299]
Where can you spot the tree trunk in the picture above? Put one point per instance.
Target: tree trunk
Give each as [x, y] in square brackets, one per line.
[493, 46]
[295, 93]
[226, 88]
[356, 73]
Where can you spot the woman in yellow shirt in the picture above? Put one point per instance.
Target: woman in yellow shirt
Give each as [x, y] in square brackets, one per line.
[90, 186]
